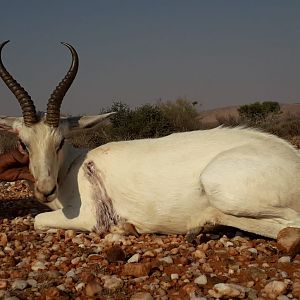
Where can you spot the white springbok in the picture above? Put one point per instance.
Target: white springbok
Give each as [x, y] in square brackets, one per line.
[176, 184]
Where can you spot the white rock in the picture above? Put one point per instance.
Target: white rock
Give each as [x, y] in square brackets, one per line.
[274, 288]
[19, 284]
[201, 280]
[48, 238]
[71, 273]
[75, 260]
[61, 287]
[38, 265]
[284, 259]
[283, 297]
[167, 259]
[174, 276]
[79, 286]
[134, 258]
[199, 254]
[227, 290]
[252, 250]
[112, 283]
[32, 282]
[141, 296]
[149, 253]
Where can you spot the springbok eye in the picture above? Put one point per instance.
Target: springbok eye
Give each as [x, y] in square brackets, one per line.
[23, 147]
[61, 144]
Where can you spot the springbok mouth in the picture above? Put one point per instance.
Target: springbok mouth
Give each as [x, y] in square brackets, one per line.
[45, 197]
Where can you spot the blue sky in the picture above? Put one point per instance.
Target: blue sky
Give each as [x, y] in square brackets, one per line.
[218, 53]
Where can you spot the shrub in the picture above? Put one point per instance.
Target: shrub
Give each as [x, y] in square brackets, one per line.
[182, 114]
[258, 112]
[146, 121]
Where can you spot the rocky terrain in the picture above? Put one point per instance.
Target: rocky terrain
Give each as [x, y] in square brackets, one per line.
[64, 264]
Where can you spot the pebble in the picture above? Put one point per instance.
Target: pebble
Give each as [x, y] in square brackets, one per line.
[288, 240]
[112, 283]
[284, 259]
[201, 280]
[167, 259]
[3, 284]
[3, 239]
[93, 288]
[115, 254]
[141, 296]
[137, 269]
[174, 276]
[274, 289]
[75, 260]
[32, 282]
[19, 284]
[69, 234]
[79, 286]
[283, 297]
[38, 265]
[227, 290]
[134, 258]
[252, 250]
[199, 254]
[149, 254]
[61, 287]
[296, 288]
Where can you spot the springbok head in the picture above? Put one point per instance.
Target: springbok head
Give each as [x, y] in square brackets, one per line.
[42, 135]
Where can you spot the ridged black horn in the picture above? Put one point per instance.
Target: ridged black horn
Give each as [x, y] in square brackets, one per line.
[27, 105]
[56, 98]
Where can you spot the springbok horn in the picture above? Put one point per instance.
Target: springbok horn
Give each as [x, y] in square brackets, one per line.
[56, 98]
[27, 105]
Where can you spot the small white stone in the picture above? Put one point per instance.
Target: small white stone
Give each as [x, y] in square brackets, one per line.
[32, 282]
[38, 265]
[19, 284]
[149, 253]
[284, 259]
[201, 280]
[174, 276]
[283, 297]
[113, 283]
[48, 238]
[134, 258]
[252, 250]
[79, 286]
[75, 260]
[167, 259]
[227, 290]
[71, 273]
[274, 288]
[61, 287]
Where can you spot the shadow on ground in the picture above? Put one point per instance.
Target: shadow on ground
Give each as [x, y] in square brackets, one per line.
[10, 209]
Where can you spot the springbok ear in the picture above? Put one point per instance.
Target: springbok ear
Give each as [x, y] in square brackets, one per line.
[11, 124]
[87, 121]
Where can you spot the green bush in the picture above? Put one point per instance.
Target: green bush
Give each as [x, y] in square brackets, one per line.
[182, 114]
[146, 121]
[258, 112]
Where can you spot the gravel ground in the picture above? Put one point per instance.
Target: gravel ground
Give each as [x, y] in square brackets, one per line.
[64, 264]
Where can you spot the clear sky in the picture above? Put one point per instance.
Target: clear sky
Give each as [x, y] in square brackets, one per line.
[218, 53]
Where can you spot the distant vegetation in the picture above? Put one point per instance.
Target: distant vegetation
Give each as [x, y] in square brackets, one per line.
[164, 118]
[258, 112]
[161, 119]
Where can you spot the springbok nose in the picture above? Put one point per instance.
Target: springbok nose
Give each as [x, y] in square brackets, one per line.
[47, 194]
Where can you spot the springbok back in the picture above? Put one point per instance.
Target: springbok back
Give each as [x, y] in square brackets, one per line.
[176, 184]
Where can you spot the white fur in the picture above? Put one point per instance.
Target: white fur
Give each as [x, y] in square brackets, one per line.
[176, 184]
